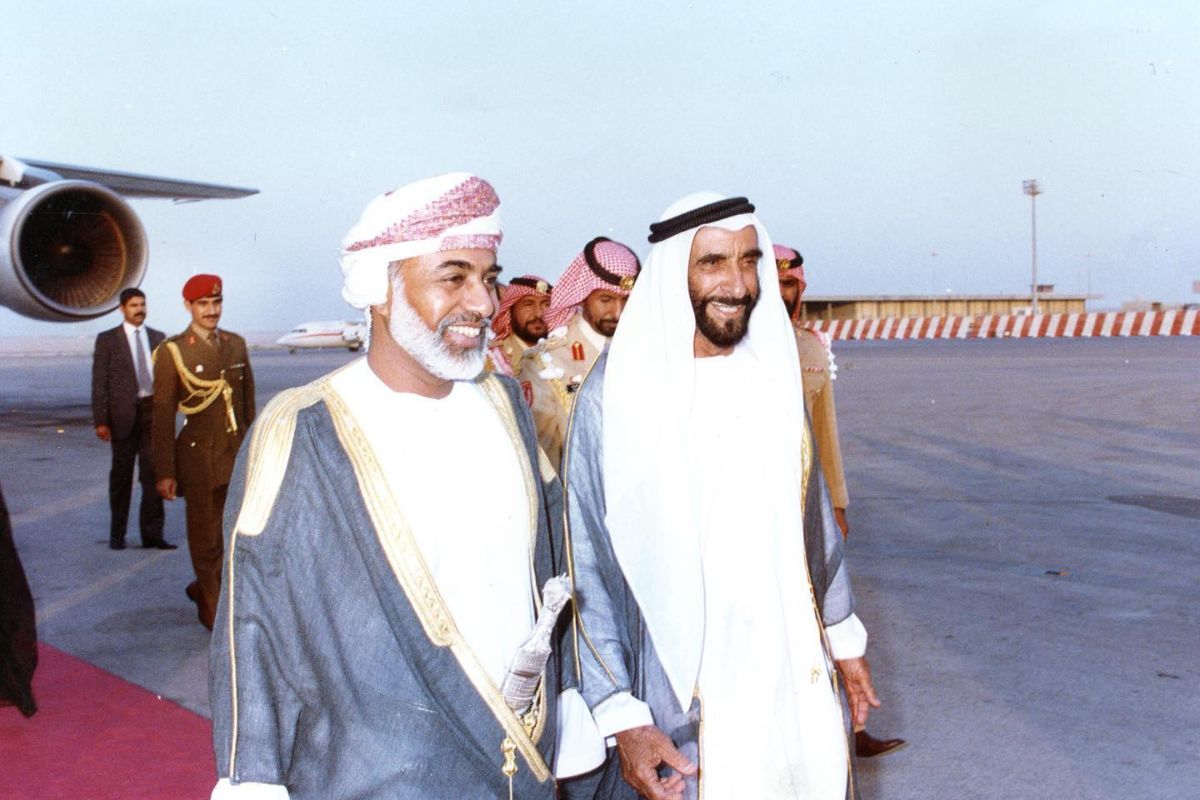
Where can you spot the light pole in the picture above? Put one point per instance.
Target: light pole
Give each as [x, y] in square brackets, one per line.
[1031, 188]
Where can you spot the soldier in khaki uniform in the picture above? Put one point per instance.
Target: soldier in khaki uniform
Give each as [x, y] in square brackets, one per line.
[519, 323]
[816, 363]
[203, 373]
[819, 371]
[585, 307]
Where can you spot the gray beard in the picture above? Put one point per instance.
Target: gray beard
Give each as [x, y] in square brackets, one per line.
[428, 347]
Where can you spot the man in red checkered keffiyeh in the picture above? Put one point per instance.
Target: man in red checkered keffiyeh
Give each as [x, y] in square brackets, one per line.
[585, 306]
[603, 268]
[520, 321]
[790, 264]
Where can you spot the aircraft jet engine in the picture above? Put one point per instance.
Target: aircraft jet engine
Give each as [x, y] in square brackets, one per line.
[69, 242]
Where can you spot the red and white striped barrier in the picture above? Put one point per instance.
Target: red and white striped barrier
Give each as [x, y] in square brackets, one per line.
[1133, 323]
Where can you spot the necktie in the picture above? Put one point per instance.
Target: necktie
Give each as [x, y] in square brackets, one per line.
[145, 382]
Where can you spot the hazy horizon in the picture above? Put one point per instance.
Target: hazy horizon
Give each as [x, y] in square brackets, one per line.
[887, 142]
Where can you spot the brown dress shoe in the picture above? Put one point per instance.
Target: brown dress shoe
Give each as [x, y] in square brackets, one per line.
[204, 612]
[867, 746]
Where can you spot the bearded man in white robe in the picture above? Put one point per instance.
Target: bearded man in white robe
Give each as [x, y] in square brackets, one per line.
[714, 614]
[388, 528]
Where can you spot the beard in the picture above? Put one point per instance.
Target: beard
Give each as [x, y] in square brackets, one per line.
[429, 347]
[532, 331]
[605, 326]
[725, 333]
[792, 305]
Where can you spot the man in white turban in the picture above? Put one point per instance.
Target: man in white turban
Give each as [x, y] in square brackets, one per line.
[715, 614]
[388, 527]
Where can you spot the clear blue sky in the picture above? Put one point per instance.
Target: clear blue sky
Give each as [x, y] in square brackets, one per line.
[871, 135]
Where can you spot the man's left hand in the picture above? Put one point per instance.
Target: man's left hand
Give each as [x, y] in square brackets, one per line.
[840, 515]
[860, 692]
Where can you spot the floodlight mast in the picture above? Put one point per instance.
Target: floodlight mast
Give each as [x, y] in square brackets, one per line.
[1032, 189]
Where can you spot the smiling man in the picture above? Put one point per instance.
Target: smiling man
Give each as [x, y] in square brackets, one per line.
[389, 525]
[204, 374]
[714, 604]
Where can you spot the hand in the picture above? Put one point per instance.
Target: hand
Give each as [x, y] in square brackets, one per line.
[166, 488]
[860, 692]
[641, 751]
[840, 515]
[104, 433]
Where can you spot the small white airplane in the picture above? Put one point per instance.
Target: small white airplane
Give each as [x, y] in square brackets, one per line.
[316, 335]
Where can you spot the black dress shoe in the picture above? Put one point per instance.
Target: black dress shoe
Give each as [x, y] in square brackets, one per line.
[113, 544]
[867, 746]
[159, 544]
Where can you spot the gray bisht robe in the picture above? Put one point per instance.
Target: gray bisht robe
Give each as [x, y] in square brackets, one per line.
[335, 669]
[608, 649]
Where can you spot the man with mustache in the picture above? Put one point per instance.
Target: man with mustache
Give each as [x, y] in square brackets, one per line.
[392, 526]
[715, 612]
[122, 404]
[585, 308]
[204, 374]
[520, 322]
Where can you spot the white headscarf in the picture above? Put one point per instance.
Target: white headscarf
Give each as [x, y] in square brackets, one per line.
[450, 212]
[649, 387]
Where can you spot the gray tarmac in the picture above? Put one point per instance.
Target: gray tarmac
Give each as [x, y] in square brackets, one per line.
[1025, 545]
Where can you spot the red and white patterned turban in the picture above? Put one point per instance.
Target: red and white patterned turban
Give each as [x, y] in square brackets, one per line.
[790, 262]
[516, 289]
[450, 212]
[603, 264]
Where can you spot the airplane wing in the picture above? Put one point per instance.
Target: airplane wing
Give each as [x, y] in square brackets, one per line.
[132, 185]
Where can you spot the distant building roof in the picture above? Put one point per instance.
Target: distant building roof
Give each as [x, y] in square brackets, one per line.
[853, 298]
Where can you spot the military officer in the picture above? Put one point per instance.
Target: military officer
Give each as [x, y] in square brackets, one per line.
[818, 372]
[584, 310]
[519, 323]
[203, 373]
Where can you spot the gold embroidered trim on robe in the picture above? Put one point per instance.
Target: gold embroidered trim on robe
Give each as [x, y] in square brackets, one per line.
[410, 569]
[270, 451]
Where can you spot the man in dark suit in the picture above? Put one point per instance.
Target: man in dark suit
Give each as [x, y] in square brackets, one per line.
[122, 407]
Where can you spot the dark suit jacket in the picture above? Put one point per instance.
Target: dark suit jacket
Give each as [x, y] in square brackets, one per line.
[114, 380]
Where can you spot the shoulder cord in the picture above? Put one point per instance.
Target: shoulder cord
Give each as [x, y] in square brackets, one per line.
[202, 393]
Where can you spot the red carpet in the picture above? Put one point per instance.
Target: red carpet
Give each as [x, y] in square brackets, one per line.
[98, 737]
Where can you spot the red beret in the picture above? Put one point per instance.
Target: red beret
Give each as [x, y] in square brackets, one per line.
[201, 286]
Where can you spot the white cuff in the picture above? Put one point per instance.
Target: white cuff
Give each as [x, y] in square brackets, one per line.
[847, 639]
[580, 746]
[224, 790]
[619, 713]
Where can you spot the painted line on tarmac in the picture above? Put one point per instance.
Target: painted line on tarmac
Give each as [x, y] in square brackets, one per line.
[53, 609]
[75, 501]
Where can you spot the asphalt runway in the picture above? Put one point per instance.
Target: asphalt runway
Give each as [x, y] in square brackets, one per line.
[1025, 546]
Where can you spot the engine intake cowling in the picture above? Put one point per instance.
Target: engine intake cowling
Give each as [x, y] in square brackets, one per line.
[68, 249]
